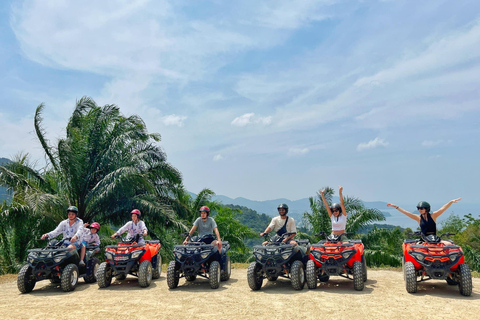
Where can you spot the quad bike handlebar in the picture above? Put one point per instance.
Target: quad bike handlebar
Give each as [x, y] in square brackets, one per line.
[276, 238]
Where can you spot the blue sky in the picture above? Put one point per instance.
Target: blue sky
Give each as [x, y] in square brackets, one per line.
[263, 99]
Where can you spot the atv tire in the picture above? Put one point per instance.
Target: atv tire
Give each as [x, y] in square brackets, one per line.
[173, 275]
[92, 269]
[465, 280]
[311, 275]
[69, 278]
[298, 275]
[410, 277]
[214, 274]
[156, 272]
[191, 278]
[25, 281]
[104, 275]
[145, 274]
[364, 267]
[254, 276]
[225, 274]
[358, 283]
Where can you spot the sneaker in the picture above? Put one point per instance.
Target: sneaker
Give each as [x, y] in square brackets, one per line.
[81, 263]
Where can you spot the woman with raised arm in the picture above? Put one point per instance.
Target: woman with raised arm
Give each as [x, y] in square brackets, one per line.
[426, 220]
[336, 212]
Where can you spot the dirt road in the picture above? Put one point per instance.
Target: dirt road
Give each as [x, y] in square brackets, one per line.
[384, 297]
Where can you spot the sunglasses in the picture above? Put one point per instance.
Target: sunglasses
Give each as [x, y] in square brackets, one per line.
[335, 210]
[421, 208]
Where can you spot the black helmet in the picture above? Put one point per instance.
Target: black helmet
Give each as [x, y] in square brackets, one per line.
[424, 204]
[336, 206]
[283, 206]
[72, 209]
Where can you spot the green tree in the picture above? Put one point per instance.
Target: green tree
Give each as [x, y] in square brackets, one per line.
[383, 247]
[187, 206]
[106, 165]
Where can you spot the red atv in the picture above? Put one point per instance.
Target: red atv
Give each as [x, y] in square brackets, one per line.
[430, 257]
[334, 257]
[128, 257]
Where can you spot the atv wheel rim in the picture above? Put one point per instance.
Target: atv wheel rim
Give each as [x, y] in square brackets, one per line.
[149, 273]
[302, 276]
[229, 268]
[73, 278]
[218, 276]
[95, 269]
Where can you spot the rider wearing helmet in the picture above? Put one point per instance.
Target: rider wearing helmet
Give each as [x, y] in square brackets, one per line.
[134, 227]
[70, 228]
[282, 224]
[426, 220]
[336, 212]
[89, 235]
[206, 225]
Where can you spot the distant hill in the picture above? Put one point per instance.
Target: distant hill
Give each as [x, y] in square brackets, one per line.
[296, 207]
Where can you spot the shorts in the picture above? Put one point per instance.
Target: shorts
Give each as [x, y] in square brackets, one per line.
[77, 244]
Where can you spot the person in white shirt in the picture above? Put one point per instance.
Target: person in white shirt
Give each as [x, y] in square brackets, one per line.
[336, 212]
[282, 224]
[89, 235]
[70, 228]
[134, 227]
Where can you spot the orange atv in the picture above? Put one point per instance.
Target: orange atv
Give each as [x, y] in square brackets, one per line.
[430, 257]
[129, 257]
[335, 257]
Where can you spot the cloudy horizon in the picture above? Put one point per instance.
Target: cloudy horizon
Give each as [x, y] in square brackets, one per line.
[259, 99]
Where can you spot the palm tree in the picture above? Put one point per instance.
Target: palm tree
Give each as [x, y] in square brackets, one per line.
[106, 165]
[358, 216]
[187, 206]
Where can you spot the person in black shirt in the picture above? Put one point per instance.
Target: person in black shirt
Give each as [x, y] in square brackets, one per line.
[426, 220]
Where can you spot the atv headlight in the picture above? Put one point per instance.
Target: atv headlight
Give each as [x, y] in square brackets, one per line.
[204, 254]
[286, 254]
[108, 255]
[59, 258]
[346, 255]
[418, 256]
[317, 255]
[136, 254]
[178, 255]
[258, 255]
[454, 256]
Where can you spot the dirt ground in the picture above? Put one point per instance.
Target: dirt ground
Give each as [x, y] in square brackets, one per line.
[384, 297]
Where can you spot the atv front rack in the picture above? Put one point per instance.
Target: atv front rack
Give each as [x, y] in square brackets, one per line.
[126, 246]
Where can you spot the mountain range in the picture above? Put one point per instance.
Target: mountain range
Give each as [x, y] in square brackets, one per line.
[296, 208]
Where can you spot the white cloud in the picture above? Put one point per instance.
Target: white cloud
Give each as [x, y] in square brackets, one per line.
[218, 157]
[243, 120]
[264, 120]
[372, 144]
[298, 151]
[431, 143]
[250, 118]
[173, 120]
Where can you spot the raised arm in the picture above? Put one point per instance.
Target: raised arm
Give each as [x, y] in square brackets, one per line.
[342, 204]
[405, 212]
[325, 202]
[447, 205]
